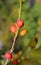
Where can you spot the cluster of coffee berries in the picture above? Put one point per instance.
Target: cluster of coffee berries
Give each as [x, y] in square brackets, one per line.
[14, 28]
[18, 24]
[16, 58]
[8, 56]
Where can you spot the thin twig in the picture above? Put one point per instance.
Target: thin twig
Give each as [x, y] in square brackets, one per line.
[13, 45]
[11, 50]
[6, 62]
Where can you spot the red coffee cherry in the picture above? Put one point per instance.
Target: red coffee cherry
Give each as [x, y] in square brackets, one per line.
[13, 28]
[15, 62]
[8, 55]
[20, 23]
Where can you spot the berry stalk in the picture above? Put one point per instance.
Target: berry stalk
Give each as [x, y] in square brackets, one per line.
[20, 9]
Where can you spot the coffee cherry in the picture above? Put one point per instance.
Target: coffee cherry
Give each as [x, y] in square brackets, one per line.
[2, 62]
[34, 42]
[23, 32]
[15, 62]
[20, 52]
[23, 58]
[13, 28]
[16, 56]
[8, 55]
[19, 60]
[20, 23]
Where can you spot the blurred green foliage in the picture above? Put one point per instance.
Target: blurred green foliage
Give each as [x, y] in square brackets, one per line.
[8, 15]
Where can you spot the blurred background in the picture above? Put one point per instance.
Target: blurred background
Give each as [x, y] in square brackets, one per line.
[30, 44]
